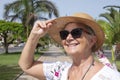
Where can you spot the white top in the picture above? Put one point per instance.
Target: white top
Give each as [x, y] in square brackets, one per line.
[59, 71]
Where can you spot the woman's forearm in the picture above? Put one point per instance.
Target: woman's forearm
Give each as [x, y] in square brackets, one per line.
[27, 56]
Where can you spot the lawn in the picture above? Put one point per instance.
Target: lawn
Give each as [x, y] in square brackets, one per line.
[118, 64]
[9, 68]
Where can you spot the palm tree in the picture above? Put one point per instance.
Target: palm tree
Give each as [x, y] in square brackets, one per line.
[111, 27]
[114, 25]
[27, 11]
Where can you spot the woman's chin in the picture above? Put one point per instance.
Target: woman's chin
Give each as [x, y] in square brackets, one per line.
[72, 52]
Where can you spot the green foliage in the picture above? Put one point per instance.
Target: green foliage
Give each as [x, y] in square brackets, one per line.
[112, 27]
[10, 27]
[10, 31]
[107, 30]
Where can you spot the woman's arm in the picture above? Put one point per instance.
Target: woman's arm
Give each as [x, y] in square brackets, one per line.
[26, 61]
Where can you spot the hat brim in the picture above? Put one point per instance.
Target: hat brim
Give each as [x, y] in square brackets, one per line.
[60, 23]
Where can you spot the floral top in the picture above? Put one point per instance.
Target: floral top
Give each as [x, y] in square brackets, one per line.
[56, 70]
[59, 71]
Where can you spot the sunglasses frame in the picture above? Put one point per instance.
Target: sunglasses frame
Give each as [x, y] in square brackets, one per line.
[76, 33]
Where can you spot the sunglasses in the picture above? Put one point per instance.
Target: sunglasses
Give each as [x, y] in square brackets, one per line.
[76, 33]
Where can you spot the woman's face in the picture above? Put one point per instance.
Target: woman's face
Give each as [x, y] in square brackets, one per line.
[79, 45]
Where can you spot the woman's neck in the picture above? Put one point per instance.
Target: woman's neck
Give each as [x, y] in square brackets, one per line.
[82, 60]
[80, 68]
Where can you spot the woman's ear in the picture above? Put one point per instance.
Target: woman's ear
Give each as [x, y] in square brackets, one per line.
[93, 40]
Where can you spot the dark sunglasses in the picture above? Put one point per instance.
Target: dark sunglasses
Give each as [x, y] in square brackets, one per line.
[76, 33]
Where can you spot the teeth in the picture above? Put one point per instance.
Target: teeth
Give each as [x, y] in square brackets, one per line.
[72, 44]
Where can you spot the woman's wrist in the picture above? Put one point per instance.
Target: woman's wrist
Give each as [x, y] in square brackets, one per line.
[32, 41]
[34, 37]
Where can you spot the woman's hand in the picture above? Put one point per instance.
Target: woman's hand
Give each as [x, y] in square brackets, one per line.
[40, 28]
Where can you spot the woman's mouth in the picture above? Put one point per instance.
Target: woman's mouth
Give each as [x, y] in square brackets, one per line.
[72, 44]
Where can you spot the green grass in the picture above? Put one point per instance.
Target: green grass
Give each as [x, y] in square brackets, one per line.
[9, 72]
[118, 64]
[9, 68]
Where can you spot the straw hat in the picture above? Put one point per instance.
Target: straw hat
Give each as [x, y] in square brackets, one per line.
[60, 23]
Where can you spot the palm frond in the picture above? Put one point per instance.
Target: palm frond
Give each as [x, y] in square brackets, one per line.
[12, 8]
[112, 31]
[108, 17]
[47, 6]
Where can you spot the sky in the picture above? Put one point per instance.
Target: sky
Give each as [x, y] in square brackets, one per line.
[69, 7]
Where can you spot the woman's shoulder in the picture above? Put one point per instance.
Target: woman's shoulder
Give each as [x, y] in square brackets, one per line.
[109, 70]
[106, 73]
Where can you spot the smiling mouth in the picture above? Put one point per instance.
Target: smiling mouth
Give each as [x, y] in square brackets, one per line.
[73, 44]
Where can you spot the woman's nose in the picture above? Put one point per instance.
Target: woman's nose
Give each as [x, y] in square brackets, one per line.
[69, 37]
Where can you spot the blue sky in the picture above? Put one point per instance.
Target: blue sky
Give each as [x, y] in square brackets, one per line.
[68, 7]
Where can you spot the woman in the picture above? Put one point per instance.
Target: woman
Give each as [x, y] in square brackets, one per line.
[80, 36]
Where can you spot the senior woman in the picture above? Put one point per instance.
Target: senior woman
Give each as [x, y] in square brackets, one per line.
[80, 36]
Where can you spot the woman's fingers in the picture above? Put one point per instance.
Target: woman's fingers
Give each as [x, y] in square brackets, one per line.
[41, 27]
[44, 24]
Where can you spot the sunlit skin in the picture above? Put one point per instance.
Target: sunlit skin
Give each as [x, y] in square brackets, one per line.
[79, 47]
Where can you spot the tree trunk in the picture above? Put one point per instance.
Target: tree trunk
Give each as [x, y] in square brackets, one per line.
[114, 57]
[6, 49]
[113, 54]
[117, 50]
[5, 44]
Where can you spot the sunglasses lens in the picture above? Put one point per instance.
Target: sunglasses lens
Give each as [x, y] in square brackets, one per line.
[76, 33]
[64, 34]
